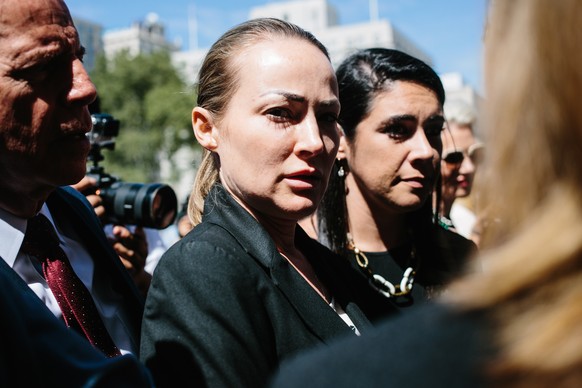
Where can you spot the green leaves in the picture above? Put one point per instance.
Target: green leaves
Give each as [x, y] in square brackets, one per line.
[153, 103]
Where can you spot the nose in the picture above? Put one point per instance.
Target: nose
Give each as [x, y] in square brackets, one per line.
[467, 166]
[82, 90]
[421, 148]
[309, 141]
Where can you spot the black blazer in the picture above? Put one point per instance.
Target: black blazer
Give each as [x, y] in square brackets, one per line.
[34, 339]
[37, 350]
[74, 215]
[225, 307]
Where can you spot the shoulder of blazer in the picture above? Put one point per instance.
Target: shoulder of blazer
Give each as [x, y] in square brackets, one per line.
[70, 200]
[221, 210]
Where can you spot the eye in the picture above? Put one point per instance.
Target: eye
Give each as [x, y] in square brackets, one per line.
[433, 129]
[329, 118]
[37, 73]
[453, 157]
[81, 53]
[434, 126]
[279, 114]
[397, 131]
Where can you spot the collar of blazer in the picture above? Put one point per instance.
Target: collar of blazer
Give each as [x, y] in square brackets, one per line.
[222, 210]
[74, 214]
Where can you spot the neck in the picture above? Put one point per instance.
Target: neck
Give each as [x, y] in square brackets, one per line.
[281, 230]
[373, 228]
[22, 203]
[446, 205]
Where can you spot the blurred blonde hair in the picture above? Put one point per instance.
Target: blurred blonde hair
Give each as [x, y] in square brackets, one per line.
[531, 284]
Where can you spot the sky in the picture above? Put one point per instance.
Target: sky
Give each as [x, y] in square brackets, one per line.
[450, 31]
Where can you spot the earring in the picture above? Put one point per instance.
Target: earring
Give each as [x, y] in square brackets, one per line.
[340, 171]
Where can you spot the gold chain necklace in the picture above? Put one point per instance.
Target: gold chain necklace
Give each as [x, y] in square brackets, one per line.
[378, 282]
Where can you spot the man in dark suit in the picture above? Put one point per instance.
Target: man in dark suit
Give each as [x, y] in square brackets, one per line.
[44, 93]
[38, 350]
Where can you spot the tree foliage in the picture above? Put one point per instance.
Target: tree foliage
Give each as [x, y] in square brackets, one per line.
[153, 104]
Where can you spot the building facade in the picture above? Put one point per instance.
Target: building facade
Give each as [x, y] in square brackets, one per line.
[91, 37]
[321, 18]
[143, 37]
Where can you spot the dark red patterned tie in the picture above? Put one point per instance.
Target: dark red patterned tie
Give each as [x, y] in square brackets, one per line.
[79, 310]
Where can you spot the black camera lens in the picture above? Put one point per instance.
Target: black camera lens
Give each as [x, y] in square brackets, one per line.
[150, 205]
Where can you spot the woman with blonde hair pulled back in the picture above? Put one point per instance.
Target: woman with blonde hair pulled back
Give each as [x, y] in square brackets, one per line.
[518, 322]
[247, 287]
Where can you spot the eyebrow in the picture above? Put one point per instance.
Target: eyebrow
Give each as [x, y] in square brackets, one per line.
[406, 117]
[397, 118]
[334, 102]
[287, 95]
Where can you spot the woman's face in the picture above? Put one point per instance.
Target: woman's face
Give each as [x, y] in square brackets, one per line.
[394, 154]
[278, 138]
[459, 178]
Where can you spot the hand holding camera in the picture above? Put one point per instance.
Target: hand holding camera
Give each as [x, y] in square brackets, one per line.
[149, 205]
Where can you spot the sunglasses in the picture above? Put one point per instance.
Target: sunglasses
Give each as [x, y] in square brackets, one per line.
[475, 152]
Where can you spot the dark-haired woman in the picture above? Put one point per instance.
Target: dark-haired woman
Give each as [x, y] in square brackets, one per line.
[378, 211]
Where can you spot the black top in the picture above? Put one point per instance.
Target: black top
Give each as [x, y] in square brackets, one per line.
[430, 346]
[224, 307]
[437, 257]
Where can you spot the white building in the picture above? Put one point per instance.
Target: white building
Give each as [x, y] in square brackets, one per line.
[311, 15]
[320, 18]
[189, 63]
[142, 37]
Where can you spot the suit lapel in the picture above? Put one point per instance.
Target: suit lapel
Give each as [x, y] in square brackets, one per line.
[337, 274]
[17, 281]
[315, 312]
[225, 212]
[77, 216]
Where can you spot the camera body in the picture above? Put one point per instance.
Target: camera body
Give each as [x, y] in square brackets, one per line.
[152, 205]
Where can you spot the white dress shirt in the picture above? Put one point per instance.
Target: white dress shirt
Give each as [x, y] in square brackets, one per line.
[12, 230]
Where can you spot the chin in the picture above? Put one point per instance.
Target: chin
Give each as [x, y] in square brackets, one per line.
[411, 205]
[69, 175]
[301, 210]
[461, 193]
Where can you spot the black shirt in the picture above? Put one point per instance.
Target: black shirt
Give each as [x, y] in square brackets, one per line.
[436, 258]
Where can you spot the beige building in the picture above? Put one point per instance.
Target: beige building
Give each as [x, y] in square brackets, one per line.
[320, 18]
[142, 37]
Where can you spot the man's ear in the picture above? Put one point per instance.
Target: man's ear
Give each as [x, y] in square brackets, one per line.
[203, 126]
[343, 146]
